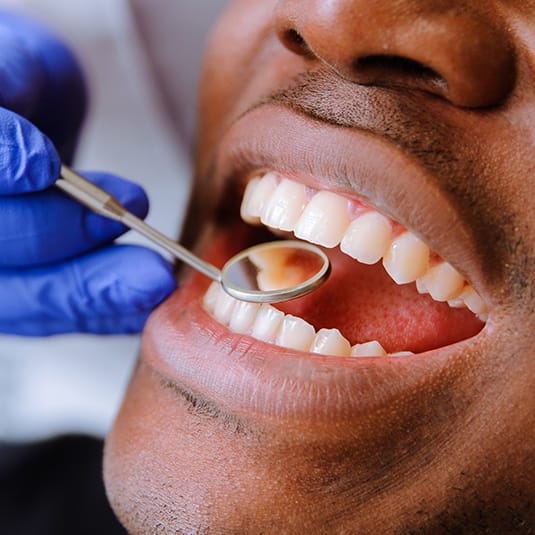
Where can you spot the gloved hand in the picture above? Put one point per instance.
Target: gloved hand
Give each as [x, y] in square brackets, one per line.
[58, 270]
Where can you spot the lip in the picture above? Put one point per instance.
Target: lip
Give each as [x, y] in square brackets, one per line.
[244, 376]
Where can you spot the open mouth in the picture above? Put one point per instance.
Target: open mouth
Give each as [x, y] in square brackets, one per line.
[389, 294]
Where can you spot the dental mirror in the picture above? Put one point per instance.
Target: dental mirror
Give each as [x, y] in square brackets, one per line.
[266, 273]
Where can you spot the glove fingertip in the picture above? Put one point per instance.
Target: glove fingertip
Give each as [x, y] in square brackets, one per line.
[28, 162]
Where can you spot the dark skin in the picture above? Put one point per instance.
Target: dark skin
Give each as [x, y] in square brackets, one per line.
[426, 111]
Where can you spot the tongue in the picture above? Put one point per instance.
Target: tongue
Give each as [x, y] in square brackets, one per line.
[365, 304]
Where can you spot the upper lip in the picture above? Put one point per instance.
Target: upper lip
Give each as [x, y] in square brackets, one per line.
[354, 163]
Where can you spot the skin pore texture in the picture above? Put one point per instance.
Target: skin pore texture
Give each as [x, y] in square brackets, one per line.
[423, 111]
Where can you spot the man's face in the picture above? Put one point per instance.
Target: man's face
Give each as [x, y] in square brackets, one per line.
[400, 136]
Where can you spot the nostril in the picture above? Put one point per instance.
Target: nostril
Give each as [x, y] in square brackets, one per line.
[398, 68]
[295, 42]
[396, 64]
[465, 56]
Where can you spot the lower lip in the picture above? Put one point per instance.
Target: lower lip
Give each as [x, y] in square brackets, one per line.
[241, 375]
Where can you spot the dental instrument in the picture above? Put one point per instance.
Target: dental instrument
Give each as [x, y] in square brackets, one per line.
[266, 273]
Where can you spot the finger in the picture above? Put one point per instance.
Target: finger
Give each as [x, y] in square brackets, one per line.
[41, 80]
[28, 160]
[48, 226]
[111, 291]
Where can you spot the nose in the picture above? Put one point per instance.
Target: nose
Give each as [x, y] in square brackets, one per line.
[447, 47]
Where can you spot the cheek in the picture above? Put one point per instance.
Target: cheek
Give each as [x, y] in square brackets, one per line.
[152, 471]
[230, 60]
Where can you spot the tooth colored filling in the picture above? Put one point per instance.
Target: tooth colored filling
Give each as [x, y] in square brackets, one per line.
[375, 316]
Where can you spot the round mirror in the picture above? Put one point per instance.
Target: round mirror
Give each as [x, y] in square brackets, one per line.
[275, 271]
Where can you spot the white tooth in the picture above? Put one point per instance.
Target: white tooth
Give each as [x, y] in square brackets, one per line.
[368, 349]
[407, 258]
[267, 323]
[421, 287]
[243, 317]
[256, 196]
[443, 282]
[457, 302]
[474, 302]
[223, 307]
[247, 207]
[324, 219]
[367, 238]
[401, 354]
[285, 205]
[295, 333]
[210, 297]
[330, 342]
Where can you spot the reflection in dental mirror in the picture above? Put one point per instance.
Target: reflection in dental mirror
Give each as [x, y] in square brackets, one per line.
[275, 271]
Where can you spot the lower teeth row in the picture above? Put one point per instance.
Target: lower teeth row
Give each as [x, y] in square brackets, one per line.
[267, 324]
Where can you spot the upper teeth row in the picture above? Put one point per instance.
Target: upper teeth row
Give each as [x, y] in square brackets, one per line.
[328, 219]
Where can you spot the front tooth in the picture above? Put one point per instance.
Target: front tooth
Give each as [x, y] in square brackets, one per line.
[267, 323]
[210, 297]
[256, 196]
[401, 354]
[368, 349]
[407, 258]
[248, 208]
[367, 238]
[243, 317]
[330, 342]
[223, 307]
[443, 282]
[295, 333]
[324, 219]
[285, 205]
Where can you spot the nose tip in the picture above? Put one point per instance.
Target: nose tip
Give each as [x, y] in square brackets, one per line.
[458, 53]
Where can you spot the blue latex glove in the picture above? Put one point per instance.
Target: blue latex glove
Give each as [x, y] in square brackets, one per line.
[58, 271]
